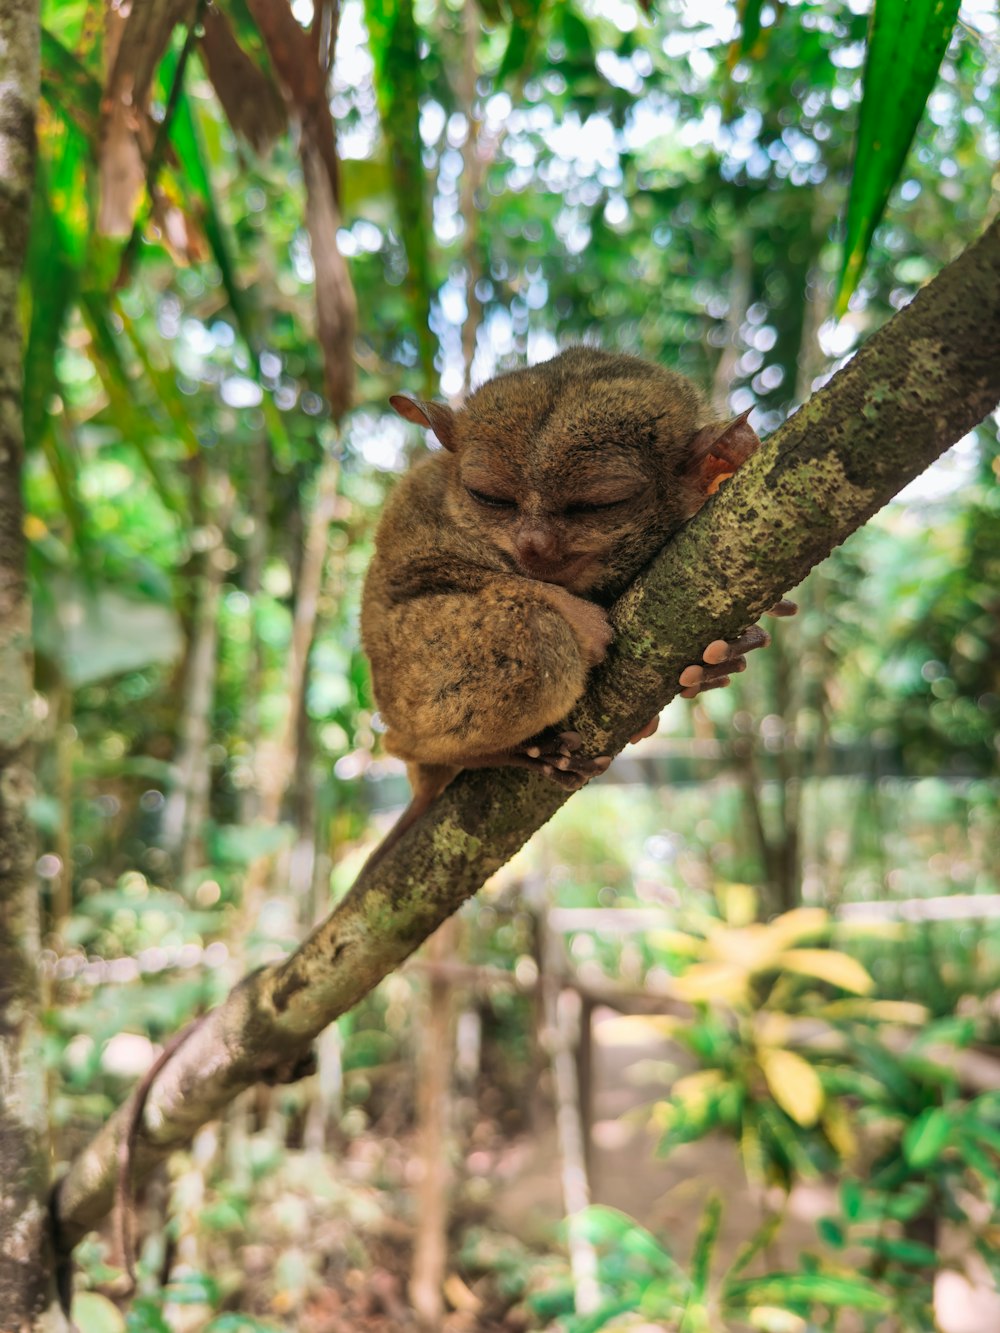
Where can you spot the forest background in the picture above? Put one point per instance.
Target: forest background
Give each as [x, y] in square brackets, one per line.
[224, 283]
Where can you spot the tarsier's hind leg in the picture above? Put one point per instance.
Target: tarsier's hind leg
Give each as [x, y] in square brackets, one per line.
[428, 781]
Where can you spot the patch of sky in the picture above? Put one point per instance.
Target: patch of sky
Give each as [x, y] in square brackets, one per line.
[649, 122]
[380, 439]
[301, 256]
[588, 145]
[457, 129]
[432, 122]
[949, 474]
[622, 14]
[198, 337]
[619, 71]
[851, 55]
[238, 391]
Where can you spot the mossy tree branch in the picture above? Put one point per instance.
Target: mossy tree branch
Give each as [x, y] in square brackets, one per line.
[916, 387]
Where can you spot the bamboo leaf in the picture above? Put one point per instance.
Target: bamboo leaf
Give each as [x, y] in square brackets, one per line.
[186, 139]
[393, 39]
[120, 389]
[51, 280]
[163, 383]
[62, 466]
[69, 87]
[907, 40]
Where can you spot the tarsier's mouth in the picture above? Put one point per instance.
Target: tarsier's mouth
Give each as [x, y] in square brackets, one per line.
[564, 574]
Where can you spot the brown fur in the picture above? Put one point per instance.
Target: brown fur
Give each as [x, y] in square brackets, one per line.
[482, 620]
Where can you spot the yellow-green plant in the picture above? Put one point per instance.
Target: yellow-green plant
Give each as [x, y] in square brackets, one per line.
[767, 1001]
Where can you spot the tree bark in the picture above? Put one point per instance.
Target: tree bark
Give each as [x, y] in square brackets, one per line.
[25, 1271]
[916, 387]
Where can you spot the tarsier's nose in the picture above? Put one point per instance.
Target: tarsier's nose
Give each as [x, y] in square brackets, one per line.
[537, 545]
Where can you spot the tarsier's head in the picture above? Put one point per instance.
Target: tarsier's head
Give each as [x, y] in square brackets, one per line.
[577, 470]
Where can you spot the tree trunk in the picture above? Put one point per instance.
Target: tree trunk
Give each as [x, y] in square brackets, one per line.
[25, 1270]
[918, 385]
[188, 804]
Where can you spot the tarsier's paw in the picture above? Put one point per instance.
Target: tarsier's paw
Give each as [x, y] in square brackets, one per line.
[593, 630]
[589, 623]
[722, 660]
[558, 755]
[647, 730]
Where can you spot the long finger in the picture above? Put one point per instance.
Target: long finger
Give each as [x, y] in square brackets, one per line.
[697, 676]
[721, 651]
[692, 691]
[786, 607]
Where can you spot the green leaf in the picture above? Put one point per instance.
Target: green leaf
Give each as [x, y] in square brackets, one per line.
[193, 1289]
[240, 844]
[94, 1313]
[831, 1232]
[704, 1248]
[557, 1299]
[145, 1316]
[926, 1137]
[906, 42]
[975, 1127]
[749, 25]
[69, 87]
[53, 271]
[239, 1323]
[523, 40]
[807, 1289]
[852, 1199]
[757, 1243]
[903, 1250]
[164, 384]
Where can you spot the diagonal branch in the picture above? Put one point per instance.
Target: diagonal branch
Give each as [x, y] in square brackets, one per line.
[916, 387]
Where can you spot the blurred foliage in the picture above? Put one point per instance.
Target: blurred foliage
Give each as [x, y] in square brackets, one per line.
[639, 1276]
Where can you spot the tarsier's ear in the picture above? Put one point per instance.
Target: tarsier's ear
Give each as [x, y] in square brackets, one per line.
[437, 417]
[718, 450]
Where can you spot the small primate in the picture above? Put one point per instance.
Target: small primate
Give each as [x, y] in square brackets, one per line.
[497, 558]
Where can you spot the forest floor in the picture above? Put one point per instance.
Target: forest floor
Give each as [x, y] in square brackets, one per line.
[336, 1230]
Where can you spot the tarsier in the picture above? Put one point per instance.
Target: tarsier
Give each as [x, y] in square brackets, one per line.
[497, 558]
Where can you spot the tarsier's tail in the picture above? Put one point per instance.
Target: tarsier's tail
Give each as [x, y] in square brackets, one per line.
[428, 782]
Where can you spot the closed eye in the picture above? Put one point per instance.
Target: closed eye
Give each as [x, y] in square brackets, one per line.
[594, 506]
[493, 501]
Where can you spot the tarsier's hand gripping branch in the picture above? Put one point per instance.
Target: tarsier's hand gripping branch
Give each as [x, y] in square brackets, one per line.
[497, 559]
